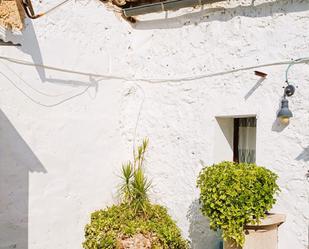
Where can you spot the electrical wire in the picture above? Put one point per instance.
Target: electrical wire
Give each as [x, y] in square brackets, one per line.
[27, 5]
[26, 83]
[153, 80]
[127, 79]
[55, 7]
[138, 117]
[42, 104]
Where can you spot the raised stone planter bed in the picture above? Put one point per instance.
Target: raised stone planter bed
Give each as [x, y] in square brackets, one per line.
[138, 241]
[261, 236]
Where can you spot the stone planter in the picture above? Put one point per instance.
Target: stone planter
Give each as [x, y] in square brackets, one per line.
[138, 241]
[261, 236]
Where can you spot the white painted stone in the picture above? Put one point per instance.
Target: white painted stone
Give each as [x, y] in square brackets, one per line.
[63, 137]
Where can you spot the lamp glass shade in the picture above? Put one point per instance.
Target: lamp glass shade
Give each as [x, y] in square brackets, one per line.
[284, 120]
[284, 111]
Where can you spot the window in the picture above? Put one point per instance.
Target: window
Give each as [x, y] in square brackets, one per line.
[235, 139]
[244, 145]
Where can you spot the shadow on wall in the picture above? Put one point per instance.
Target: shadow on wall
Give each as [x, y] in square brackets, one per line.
[16, 162]
[304, 155]
[277, 126]
[27, 36]
[29, 44]
[254, 88]
[200, 235]
[225, 14]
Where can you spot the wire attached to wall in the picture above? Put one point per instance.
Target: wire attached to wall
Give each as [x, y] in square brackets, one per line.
[154, 80]
[39, 103]
[138, 117]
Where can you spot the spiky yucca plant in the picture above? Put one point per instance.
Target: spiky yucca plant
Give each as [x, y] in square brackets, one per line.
[125, 188]
[135, 215]
[140, 186]
[135, 186]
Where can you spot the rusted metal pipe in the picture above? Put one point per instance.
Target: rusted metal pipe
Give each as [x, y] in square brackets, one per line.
[27, 5]
[164, 6]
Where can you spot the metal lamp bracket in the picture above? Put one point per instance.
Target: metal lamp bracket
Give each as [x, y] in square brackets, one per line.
[289, 90]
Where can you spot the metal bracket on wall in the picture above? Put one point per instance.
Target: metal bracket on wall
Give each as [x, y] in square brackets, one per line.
[27, 5]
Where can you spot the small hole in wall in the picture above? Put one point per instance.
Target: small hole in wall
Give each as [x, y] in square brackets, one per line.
[235, 139]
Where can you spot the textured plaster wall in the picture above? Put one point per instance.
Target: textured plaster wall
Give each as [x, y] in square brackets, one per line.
[63, 137]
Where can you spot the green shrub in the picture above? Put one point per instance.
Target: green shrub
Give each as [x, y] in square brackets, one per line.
[233, 195]
[135, 214]
[106, 225]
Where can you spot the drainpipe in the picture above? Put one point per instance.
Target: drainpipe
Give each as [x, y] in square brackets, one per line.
[164, 6]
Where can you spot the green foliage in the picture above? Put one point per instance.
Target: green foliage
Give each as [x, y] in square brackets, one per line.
[135, 186]
[233, 195]
[135, 214]
[139, 189]
[106, 225]
[125, 188]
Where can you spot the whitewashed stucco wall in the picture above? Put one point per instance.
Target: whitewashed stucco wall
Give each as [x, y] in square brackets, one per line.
[63, 137]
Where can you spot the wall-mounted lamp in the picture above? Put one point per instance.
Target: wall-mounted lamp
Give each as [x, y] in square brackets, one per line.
[285, 113]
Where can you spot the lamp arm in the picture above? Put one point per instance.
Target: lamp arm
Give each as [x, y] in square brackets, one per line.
[297, 61]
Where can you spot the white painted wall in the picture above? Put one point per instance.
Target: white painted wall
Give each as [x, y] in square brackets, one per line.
[63, 137]
[224, 137]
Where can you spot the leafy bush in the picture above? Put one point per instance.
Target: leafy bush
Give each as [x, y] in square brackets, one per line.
[107, 225]
[233, 195]
[135, 214]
